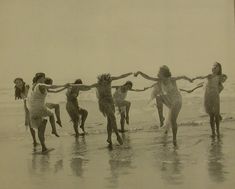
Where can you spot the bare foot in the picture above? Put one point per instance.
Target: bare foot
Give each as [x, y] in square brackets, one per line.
[59, 123]
[119, 139]
[45, 151]
[55, 133]
[110, 145]
[35, 144]
[122, 130]
[109, 141]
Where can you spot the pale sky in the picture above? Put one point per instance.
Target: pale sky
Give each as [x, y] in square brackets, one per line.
[69, 39]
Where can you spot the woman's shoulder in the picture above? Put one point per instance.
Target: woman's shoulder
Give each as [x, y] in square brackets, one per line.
[210, 76]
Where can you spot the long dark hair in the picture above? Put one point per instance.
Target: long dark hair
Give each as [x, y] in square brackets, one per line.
[48, 81]
[220, 68]
[19, 91]
[78, 81]
[165, 71]
[104, 78]
[128, 83]
[38, 76]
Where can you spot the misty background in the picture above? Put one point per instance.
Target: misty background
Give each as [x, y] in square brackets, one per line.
[69, 39]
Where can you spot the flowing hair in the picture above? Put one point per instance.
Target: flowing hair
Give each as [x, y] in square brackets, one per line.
[220, 68]
[19, 91]
[104, 78]
[165, 71]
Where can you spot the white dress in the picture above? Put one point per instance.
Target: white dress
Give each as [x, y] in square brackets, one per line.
[119, 97]
[173, 98]
[37, 106]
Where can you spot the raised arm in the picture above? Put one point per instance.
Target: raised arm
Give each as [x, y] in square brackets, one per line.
[190, 91]
[56, 91]
[146, 76]
[145, 88]
[82, 87]
[184, 78]
[121, 76]
[44, 86]
[200, 77]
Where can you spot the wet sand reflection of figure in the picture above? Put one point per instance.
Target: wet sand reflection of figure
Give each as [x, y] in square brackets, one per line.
[78, 160]
[120, 162]
[216, 168]
[169, 161]
[40, 165]
[58, 165]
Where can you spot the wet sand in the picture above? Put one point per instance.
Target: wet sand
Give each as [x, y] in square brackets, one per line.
[146, 160]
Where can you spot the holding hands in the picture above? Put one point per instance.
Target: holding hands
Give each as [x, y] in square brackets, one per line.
[67, 85]
[137, 73]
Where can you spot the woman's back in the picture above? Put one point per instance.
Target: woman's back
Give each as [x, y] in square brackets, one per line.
[104, 90]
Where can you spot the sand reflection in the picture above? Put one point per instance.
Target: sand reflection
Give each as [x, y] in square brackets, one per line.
[120, 161]
[78, 160]
[216, 161]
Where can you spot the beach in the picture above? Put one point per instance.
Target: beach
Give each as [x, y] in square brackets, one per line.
[147, 159]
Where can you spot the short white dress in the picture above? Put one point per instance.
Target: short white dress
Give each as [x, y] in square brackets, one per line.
[37, 106]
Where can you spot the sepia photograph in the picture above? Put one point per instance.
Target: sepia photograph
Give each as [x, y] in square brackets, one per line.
[117, 94]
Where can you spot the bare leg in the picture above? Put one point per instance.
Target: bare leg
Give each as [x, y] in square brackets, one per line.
[114, 127]
[84, 114]
[27, 123]
[52, 122]
[109, 130]
[128, 106]
[212, 123]
[57, 114]
[75, 127]
[160, 110]
[122, 121]
[41, 134]
[174, 115]
[32, 131]
[217, 123]
[56, 107]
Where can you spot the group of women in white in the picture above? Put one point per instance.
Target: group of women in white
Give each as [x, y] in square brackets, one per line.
[165, 91]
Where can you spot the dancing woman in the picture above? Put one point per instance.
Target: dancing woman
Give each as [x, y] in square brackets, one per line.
[38, 109]
[21, 93]
[212, 96]
[121, 103]
[170, 94]
[106, 103]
